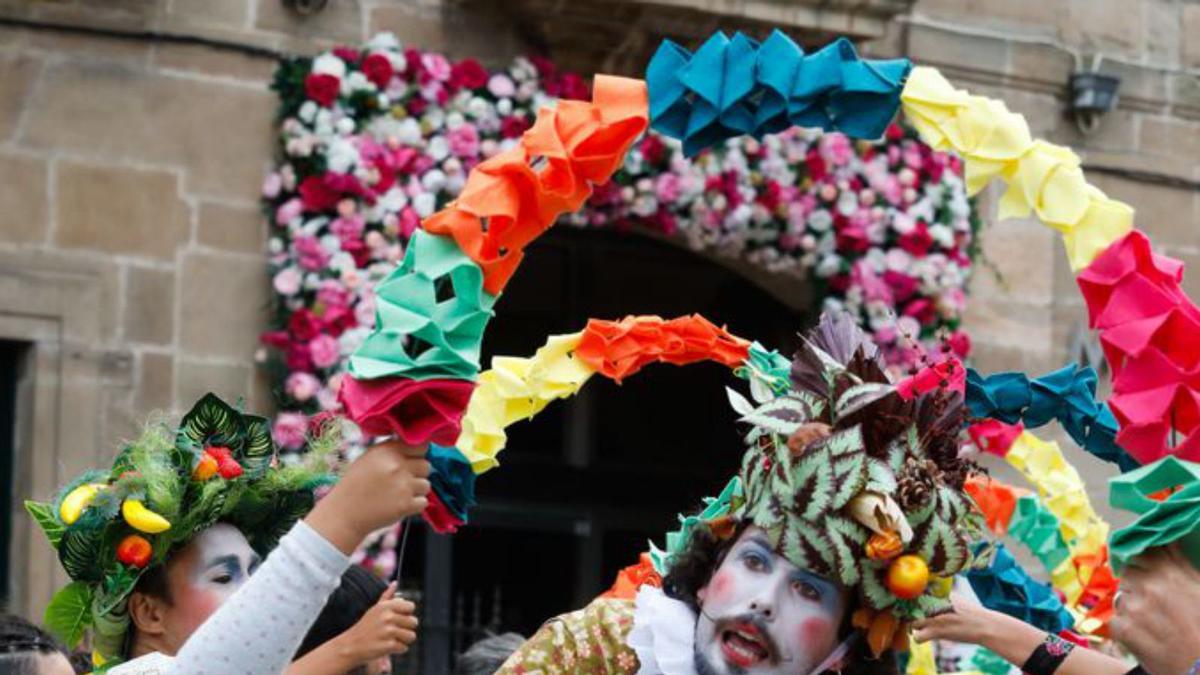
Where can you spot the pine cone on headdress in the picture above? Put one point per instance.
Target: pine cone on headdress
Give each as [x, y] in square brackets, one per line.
[916, 483]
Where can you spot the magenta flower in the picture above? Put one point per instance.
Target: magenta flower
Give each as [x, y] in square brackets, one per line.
[290, 429]
[310, 254]
[302, 386]
[324, 351]
[464, 141]
[288, 211]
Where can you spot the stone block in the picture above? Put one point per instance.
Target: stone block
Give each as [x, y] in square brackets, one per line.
[223, 13]
[224, 301]
[1141, 88]
[1040, 15]
[1104, 24]
[1191, 35]
[232, 228]
[1170, 138]
[1021, 256]
[1163, 41]
[340, 21]
[1043, 64]
[961, 52]
[133, 53]
[23, 198]
[197, 378]
[1185, 95]
[119, 210]
[213, 61]
[222, 133]
[1116, 133]
[149, 305]
[17, 75]
[1166, 213]
[122, 14]
[155, 383]
[1009, 323]
[421, 29]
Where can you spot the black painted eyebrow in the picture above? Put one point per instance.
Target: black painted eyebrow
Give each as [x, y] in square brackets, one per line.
[227, 561]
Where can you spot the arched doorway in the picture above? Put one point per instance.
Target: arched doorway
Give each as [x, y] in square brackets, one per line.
[582, 489]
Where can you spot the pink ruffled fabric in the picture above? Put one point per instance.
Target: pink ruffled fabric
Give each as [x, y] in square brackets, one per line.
[417, 411]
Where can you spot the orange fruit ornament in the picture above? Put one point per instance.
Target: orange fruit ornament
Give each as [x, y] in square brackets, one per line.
[135, 551]
[907, 577]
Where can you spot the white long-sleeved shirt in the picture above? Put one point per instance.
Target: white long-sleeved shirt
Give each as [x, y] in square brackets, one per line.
[258, 630]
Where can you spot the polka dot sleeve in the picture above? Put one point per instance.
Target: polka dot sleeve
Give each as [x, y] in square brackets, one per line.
[260, 627]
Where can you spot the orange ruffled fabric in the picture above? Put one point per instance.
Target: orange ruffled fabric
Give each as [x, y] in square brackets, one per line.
[631, 579]
[618, 349]
[995, 499]
[508, 201]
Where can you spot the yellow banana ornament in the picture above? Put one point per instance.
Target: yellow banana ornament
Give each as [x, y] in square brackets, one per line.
[143, 519]
[77, 501]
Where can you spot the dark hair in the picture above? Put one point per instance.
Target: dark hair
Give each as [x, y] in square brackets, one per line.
[358, 592]
[21, 642]
[693, 567]
[487, 655]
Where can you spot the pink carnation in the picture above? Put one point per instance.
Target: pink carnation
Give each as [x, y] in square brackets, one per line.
[464, 141]
[324, 351]
[333, 294]
[436, 66]
[666, 188]
[310, 254]
[289, 430]
[287, 281]
[348, 227]
[302, 386]
[288, 211]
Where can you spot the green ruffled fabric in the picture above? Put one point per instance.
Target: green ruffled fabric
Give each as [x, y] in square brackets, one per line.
[1039, 530]
[1174, 519]
[418, 336]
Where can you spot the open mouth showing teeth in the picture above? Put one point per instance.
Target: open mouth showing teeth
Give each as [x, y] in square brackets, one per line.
[744, 648]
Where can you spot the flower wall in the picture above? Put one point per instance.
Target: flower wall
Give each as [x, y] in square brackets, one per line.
[374, 139]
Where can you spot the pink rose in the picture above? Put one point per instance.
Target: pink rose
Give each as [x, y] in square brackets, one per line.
[287, 281]
[288, 211]
[271, 185]
[836, 149]
[310, 254]
[290, 429]
[464, 141]
[501, 86]
[324, 351]
[302, 386]
[333, 294]
[409, 222]
[348, 227]
[436, 66]
[666, 188]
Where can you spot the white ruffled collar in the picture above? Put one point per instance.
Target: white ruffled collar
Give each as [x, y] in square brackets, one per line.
[663, 635]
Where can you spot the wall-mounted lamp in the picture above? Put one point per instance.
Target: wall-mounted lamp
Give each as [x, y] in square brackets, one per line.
[1092, 95]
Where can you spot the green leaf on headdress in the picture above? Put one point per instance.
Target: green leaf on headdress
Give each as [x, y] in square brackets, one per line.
[115, 588]
[812, 484]
[43, 515]
[785, 414]
[79, 552]
[859, 397]
[259, 449]
[849, 458]
[210, 422]
[940, 546]
[110, 625]
[69, 612]
[804, 545]
[873, 589]
[847, 538]
[929, 605]
[880, 477]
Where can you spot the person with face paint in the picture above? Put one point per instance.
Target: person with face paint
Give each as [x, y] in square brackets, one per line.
[845, 523]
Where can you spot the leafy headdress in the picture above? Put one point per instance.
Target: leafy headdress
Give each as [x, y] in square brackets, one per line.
[111, 527]
[857, 478]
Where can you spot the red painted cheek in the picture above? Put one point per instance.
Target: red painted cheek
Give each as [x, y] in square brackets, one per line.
[815, 632]
[719, 588]
[195, 606]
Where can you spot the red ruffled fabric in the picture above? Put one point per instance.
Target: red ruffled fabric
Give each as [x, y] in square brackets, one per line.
[1148, 328]
[948, 374]
[995, 437]
[631, 579]
[418, 411]
[618, 349]
[996, 500]
[439, 517]
[507, 202]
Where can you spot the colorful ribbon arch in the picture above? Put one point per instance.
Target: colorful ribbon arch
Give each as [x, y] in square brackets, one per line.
[417, 375]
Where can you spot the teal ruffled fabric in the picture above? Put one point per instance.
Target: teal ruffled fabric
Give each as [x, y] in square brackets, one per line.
[714, 507]
[1067, 395]
[1173, 519]
[419, 335]
[734, 87]
[1033, 525]
[1006, 587]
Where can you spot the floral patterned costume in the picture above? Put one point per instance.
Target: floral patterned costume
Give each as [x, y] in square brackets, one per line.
[589, 640]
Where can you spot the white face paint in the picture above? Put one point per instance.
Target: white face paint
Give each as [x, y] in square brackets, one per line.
[203, 575]
[761, 614]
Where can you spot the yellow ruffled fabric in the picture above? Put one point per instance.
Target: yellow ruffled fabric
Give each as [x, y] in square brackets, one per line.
[1063, 493]
[517, 389]
[922, 661]
[1042, 178]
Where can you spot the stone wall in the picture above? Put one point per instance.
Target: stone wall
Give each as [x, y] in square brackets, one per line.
[131, 243]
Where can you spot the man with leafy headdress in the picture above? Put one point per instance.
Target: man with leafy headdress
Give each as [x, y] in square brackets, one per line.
[846, 522]
[156, 543]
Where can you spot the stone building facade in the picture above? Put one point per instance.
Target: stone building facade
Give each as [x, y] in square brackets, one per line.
[134, 135]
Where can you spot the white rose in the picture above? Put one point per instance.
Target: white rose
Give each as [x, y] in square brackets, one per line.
[386, 40]
[820, 220]
[439, 148]
[454, 120]
[308, 111]
[410, 132]
[328, 64]
[942, 234]
[356, 81]
[504, 106]
[331, 243]
[829, 265]
[434, 180]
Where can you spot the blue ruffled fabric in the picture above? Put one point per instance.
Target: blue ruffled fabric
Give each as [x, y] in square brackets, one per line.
[452, 479]
[734, 87]
[1006, 587]
[1067, 395]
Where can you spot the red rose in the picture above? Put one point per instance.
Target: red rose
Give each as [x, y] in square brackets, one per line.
[298, 358]
[652, 149]
[322, 88]
[544, 66]
[840, 282]
[468, 74]
[415, 68]
[894, 132]
[902, 285]
[303, 325]
[917, 242]
[922, 310]
[338, 320]
[513, 126]
[317, 195]
[573, 87]
[347, 54]
[275, 338]
[852, 239]
[416, 106]
[960, 344]
[378, 69]
[358, 249]
[816, 166]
